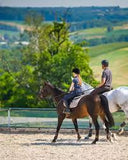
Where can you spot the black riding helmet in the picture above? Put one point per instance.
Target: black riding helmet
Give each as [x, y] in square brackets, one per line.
[76, 70]
[105, 63]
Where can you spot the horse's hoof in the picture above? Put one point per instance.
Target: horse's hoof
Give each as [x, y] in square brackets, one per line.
[87, 137]
[53, 141]
[114, 136]
[120, 131]
[90, 135]
[94, 142]
[78, 138]
[109, 140]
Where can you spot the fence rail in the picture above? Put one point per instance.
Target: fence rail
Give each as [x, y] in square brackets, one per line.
[29, 109]
[39, 118]
[8, 110]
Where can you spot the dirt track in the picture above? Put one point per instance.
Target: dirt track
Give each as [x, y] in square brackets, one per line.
[38, 146]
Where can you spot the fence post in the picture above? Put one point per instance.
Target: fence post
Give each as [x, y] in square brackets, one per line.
[9, 118]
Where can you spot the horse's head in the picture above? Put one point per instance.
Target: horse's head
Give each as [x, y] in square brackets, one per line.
[45, 91]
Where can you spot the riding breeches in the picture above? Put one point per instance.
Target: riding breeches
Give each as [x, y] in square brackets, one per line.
[100, 90]
[68, 97]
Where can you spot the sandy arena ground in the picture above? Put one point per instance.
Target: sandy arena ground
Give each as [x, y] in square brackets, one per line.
[38, 146]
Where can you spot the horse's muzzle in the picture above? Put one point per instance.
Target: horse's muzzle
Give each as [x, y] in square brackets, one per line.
[40, 96]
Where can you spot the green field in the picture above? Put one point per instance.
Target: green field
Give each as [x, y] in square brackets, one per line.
[88, 33]
[117, 54]
[100, 35]
[9, 33]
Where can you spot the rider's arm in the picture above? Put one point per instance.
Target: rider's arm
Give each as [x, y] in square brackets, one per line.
[102, 82]
[103, 79]
[71, 87]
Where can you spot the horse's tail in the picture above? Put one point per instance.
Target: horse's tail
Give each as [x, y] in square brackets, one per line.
[104, 103]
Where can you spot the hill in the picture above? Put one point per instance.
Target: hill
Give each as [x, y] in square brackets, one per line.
[117, 54]
[99, 35]
[80, 17]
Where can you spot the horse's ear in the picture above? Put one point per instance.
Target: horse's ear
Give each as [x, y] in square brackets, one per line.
[49, 83]
[45, 82]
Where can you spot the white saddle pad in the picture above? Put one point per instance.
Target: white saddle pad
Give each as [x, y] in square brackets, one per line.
[75, 101]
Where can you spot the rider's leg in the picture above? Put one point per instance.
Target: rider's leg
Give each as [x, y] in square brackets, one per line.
[100, 90]
[66, 104]
[66, 100]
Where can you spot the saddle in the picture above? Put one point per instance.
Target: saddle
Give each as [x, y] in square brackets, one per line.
[75, 101]
[86, 89]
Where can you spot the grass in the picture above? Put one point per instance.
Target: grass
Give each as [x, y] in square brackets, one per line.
[99, 32]
[105, 48]
[88, 34]
[124, 26]
[117, 54]
[91, 31]
[12, 21]
[10, 33]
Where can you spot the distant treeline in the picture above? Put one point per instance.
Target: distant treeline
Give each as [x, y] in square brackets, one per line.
[79, 17]
[8, 28]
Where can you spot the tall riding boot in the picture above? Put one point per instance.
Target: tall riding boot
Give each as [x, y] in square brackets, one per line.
[67, 110]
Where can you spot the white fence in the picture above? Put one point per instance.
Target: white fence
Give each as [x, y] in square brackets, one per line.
[41, 118]
[8, 120]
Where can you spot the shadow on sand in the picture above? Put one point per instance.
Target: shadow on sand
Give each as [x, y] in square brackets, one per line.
[63, 142]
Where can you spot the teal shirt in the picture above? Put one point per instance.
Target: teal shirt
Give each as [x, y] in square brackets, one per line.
[77, 87]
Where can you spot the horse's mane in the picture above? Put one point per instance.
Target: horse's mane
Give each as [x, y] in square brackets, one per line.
[86, 88]
[57, 90]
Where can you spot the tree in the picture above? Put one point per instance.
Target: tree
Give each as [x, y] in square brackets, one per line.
[109, 28]
[69, 57]
[57, 55]
[51, 56]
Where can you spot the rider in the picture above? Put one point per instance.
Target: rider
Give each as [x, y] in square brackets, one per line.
[75, 89]
[106, 79]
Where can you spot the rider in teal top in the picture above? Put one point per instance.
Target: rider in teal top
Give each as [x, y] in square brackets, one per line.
[75, 89]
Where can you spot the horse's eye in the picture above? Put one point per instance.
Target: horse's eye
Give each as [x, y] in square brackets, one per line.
[44, 90]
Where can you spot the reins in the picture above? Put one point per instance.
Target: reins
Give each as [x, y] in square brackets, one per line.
[66, 93]
[60, 95]
[88, 89]
[56, 103]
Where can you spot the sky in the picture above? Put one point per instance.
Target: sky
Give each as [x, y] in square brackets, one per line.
[63, 3]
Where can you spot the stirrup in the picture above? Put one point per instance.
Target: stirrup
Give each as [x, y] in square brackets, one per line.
[66, 111]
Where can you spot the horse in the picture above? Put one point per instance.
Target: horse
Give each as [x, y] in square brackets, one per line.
[88, 105]
[117, 99]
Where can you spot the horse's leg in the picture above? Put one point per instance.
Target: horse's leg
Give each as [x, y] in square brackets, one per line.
[123, 124]
[97, 127]
[112, 134]
[60, 120]
[90, 129]
[106, 127]
[76, 128]
[121, 129]
[108, 134]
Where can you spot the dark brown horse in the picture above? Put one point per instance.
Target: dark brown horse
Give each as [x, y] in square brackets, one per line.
[89, 105]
